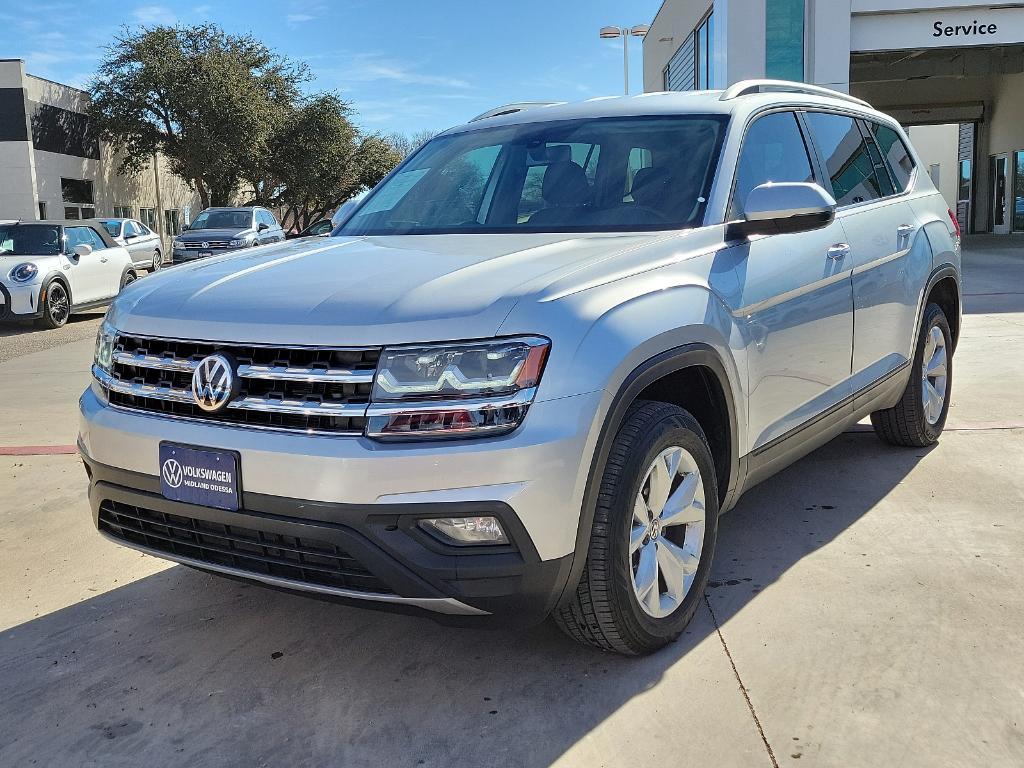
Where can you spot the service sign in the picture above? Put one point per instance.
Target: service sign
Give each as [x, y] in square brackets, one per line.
[203, 476]
[956, 28]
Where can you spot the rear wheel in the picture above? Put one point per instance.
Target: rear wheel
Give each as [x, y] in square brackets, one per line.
[918, 418]
[127, 279]
[56, 305]
[653, 536]
[158, 262]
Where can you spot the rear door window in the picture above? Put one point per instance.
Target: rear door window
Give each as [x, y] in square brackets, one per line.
[897, 156]
[851, 171]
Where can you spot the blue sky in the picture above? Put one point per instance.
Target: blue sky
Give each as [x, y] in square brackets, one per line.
[405, 65]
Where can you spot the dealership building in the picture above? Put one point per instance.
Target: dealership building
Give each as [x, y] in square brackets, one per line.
[953, 72]
[53, 166]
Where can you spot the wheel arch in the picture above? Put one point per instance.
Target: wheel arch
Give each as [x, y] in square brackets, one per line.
[944, 290]
[59, 277]
[668, 377]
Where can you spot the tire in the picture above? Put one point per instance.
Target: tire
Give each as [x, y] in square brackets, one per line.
[158, 262]
[56, 306]
[606, 610]
[912, 422]
[127, 279]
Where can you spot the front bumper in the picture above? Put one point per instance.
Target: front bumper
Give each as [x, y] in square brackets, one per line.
[365, 498]
[19, 301]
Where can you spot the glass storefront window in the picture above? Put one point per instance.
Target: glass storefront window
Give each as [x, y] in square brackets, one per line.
[964, 185]
[1018, 191]
[784, 39]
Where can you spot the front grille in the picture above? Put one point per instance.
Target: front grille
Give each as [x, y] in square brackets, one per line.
[304, 560]
[211, 245]
[293, 388]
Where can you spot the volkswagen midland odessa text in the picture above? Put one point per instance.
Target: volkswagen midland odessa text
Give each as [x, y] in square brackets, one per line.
[527, 374]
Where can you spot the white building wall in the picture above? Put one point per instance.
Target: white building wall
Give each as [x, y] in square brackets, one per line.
[937, 145]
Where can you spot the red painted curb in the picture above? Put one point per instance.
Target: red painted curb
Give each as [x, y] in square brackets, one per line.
[38, 450]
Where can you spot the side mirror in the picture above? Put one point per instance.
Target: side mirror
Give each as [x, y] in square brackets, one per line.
[130, 236]
[261, 227]
[83, 249]
[784, 207]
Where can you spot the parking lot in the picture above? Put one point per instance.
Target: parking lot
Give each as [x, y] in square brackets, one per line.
[865, 609]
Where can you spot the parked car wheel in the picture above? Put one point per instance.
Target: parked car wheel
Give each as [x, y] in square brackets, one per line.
[127, 279]
[918, 418]
[158, 262]
[56, 305]
[653, 536]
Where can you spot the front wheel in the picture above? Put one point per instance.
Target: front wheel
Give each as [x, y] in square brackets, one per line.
[56, 306]
[653, 536]
[918, 418]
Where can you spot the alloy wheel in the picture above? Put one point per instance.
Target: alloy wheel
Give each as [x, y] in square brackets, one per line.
[933, 375]
[57, 304]
[667, 532]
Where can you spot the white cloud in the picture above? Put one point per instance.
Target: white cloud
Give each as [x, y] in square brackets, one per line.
[154, 14]
[370, 67]
[299, 18]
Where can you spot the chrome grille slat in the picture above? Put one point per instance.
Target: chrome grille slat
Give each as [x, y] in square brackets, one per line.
[155, 361]
[303, 407]
[283, 373]
[141, 390]
[321, 390]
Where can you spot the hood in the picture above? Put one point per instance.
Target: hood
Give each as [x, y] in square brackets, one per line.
[359, 291]
[213, 234]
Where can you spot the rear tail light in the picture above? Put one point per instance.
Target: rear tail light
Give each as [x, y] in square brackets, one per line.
[956, 222]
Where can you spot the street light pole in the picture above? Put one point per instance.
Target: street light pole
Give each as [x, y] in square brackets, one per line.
[609, 33]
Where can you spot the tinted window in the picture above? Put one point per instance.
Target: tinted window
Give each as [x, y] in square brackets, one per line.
[901, 164]
[849, 166]
[266, 217]
[221, 220]
[589, 175]
[82, 236]
[773, 150]
[114, 227]
[29, 240]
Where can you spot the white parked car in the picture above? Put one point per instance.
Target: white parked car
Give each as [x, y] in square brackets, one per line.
[142, 242]
[50, 269]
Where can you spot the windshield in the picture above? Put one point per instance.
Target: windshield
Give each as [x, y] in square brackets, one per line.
[113, 227]
[29, 240]
[222, 220]
[594, 175]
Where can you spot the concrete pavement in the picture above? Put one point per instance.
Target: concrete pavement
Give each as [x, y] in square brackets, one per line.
[865, 610]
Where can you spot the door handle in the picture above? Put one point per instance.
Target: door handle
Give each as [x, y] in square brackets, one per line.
[103, 259]
[838, 251]
[905, 230]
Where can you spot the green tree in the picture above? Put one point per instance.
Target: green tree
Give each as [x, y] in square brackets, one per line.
[317, 160]
[210, 102]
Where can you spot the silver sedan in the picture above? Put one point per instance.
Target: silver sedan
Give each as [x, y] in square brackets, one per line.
[142, 243]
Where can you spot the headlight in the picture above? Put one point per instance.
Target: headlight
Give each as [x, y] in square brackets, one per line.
[104, 356]
[455, 390]
[241, 243]
[24, 272]
[176, 243]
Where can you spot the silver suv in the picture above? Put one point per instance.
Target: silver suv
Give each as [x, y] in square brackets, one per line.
[528, 374]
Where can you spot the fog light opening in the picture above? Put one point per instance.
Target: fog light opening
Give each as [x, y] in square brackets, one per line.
[465, 531]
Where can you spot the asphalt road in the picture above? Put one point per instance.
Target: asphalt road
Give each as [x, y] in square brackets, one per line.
[23, 338]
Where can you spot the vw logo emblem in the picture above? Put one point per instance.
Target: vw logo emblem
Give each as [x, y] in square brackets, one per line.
[214, 383]
[205, 244]
[171, 472]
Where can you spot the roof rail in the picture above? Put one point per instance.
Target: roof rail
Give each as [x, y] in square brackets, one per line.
[746, 87]
[518, 106]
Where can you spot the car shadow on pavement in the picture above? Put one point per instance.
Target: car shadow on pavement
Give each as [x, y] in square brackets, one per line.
[183, 668]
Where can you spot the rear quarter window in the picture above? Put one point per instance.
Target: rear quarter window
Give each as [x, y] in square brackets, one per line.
[897, 156]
